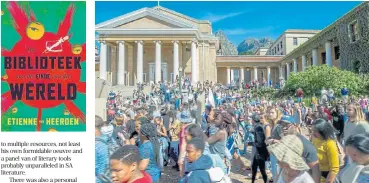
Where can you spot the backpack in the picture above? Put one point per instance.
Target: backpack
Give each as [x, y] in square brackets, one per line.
[216, 175]
[259, 136]
[112, 147]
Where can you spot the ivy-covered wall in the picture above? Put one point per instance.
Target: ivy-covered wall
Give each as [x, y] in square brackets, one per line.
[357, 52]
[352, 55]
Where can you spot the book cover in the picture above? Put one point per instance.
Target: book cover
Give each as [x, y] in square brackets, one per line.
[43, 68]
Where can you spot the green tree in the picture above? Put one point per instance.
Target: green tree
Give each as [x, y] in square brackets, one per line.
[317, 77]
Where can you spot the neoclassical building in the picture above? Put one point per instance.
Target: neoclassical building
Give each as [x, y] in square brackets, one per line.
[157, 44]
[152, 44]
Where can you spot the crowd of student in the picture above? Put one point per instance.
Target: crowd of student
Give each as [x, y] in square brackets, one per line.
[326, 141]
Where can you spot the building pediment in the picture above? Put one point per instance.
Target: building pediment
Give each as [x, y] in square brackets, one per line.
[145, 18]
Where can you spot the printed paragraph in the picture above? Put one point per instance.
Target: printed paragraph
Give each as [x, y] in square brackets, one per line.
[18, 158]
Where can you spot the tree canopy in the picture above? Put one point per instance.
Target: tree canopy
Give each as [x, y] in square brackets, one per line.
[316, 77]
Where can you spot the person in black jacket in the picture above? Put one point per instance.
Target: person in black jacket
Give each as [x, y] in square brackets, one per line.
[338, 119]
[261, 153]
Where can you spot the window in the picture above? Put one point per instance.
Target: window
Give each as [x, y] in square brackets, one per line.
[282, 53]
[337, 52]
[172, 77]
[357, 66]
[277, 47]
[281, 45]
[294, 41]
[353, 31]
[144, 77]
[323, 58]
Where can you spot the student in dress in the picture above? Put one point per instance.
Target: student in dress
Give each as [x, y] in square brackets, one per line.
[124, 165]
[217, 142]
[357, 148]
[151, 157]
[289, 152]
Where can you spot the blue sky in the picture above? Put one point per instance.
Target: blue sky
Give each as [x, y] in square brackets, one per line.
[241, 20]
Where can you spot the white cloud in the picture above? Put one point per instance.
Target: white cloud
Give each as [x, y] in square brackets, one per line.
[242, 31]
[215, 18]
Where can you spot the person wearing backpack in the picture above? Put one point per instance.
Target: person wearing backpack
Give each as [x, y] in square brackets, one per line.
[196, 171]
[101, 150]
[260, 149]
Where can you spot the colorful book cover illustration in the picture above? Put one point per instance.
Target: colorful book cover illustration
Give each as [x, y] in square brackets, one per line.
[43, 68]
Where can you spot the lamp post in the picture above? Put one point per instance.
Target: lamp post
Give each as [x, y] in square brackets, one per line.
[180, 79]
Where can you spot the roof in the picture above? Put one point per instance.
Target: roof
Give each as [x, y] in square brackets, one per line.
[180, 14]
[261, 58]
[301, 31]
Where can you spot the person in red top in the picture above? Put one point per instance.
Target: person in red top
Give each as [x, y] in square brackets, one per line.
[299, 95]
[124, 165]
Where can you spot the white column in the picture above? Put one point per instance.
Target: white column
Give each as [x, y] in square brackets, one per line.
[157, 61]
[175, 59]
[203, 61]
[288, 70]
[228, 75]
[268, 72]
[280, 71]
[328, 53]
[103, 63]
[232, 75]
[303, 62]
[294, 65]
[121, 62]
[139, 62]
[255, 73]
[315, 56]
[194, 63]
[242, 77]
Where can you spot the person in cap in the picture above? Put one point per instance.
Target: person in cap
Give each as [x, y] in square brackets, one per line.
[309, 154]
[101, 150]
[289, 153]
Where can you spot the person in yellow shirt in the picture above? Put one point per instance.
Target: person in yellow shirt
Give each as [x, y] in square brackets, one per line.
[175, 130]
[324, 140]
[314, 102]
